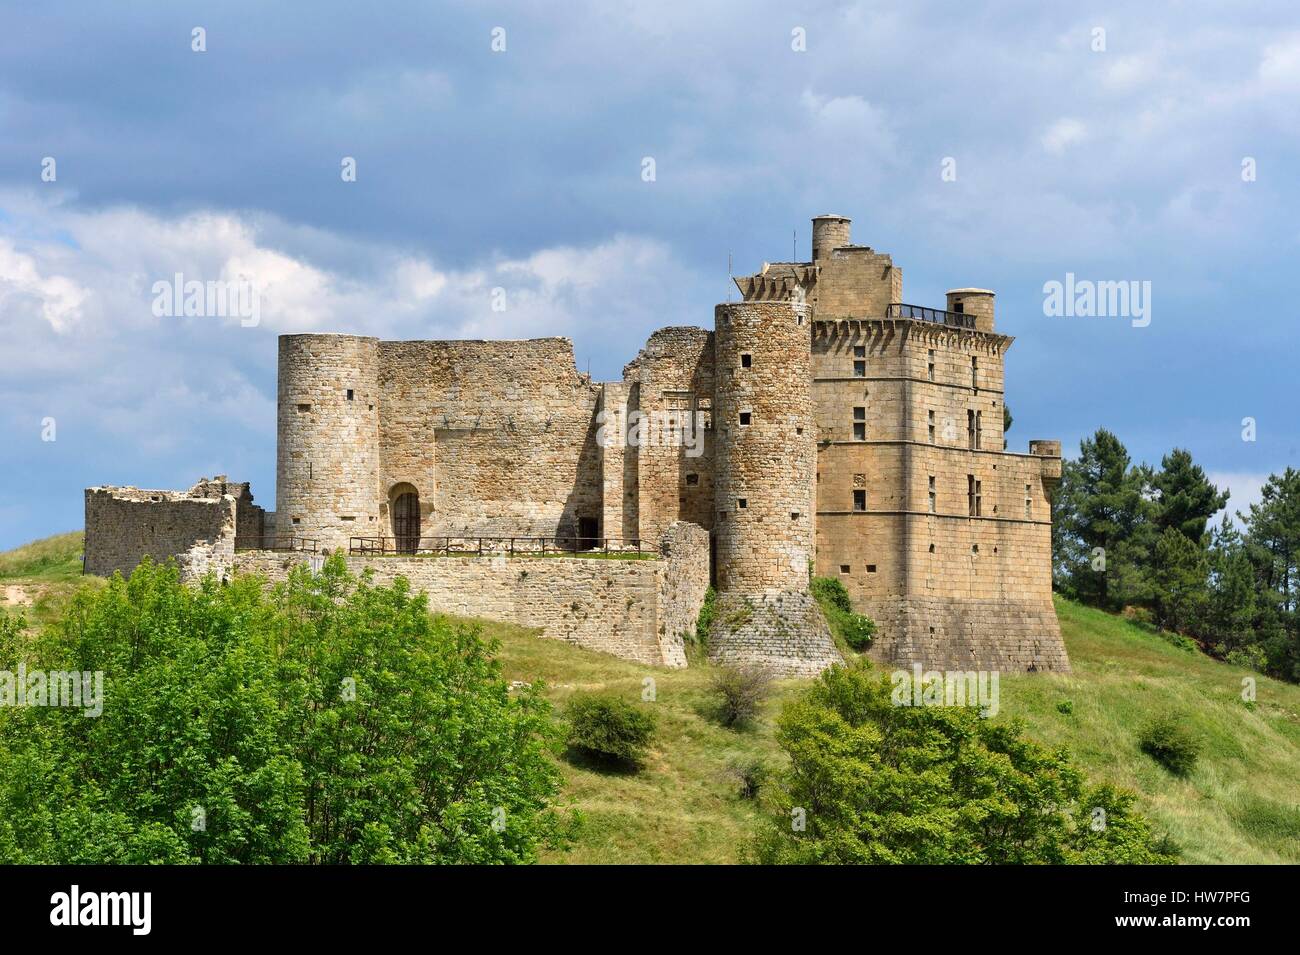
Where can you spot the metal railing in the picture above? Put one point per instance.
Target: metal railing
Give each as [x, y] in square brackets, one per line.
[277, 543]
[483, 546]
[957, 319]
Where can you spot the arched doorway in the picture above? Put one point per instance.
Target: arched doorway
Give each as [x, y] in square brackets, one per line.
[405, 508]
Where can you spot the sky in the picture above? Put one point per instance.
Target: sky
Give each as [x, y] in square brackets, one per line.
[504, 146]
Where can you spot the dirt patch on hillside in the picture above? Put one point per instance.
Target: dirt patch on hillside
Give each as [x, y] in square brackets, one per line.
[17, 595]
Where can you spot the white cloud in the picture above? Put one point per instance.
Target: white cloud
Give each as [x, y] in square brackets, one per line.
[1062, 134]
[121, 378]
[1244, 490]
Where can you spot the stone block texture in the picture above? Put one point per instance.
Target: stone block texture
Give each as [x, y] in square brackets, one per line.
[640, 610]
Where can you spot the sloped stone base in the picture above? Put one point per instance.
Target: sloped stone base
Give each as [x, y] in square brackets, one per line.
[949, 633]
[783, 631]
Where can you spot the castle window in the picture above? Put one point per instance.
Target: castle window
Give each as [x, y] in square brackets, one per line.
[931, 369]
[933, 493]
[742, 502]
[349, 394]
[931, 548]
[974, 496]
[871, 568]
[959, 306]
[975, 548]
[304, 408]
[692, 479]
[859, 424]
[974, 373]
[979, 428]
[746, 360]
[859, 500]
[931, 424]
[794, 515]
[859, 361]
[845, 568]
[744, 417]
[1029, 502]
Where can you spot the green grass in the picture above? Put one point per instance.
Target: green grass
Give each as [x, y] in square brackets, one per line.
[52, 559]
[1239, 804]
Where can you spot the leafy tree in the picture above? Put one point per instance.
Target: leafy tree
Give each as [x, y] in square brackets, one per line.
[608, 728]
[1185, 499]
[1007, 421]
[331, 721]
[875, 782]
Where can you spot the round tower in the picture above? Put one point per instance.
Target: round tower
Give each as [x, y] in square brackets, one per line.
[327, 426]
[765, 456]
[973, 301]
[765, 472]
[829, 232]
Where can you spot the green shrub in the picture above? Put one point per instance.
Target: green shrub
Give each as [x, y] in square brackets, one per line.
[705, 620]
[854, 629]
[1171, 745]
[750, 774]
[873, 782]
[1065, 706]
[330, 721]
[608, 728]
[739, 692]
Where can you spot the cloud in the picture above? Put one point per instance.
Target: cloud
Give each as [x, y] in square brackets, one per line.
[1062, 134]
[1244, 489]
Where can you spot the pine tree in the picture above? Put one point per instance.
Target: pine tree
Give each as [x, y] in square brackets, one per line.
[1185, 498]
[1103, 535]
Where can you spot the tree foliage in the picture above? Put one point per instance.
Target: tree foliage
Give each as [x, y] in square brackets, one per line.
[1124, 536]
[874, 782]
[330, 721]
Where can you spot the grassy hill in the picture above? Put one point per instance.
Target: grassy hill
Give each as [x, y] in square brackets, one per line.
[1240, 803]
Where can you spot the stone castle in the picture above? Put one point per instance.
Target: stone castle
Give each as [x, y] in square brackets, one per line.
[822, 426]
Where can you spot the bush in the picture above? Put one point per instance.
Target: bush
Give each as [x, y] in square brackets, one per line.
[1166, 741]
[330, 721]
[608, 728]
[750, 774]
[872, 782]
[740, 692]
[855, 629]
[1065, 706]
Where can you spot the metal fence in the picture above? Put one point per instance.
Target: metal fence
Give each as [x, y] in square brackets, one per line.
[958, 319]
[480, 546]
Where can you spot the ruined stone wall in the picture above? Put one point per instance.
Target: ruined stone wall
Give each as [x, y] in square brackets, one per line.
[634, 609]
[673, 379]
[126, 524]
[327, 456]
[498, 438]
[683, 579]
[250, 519]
